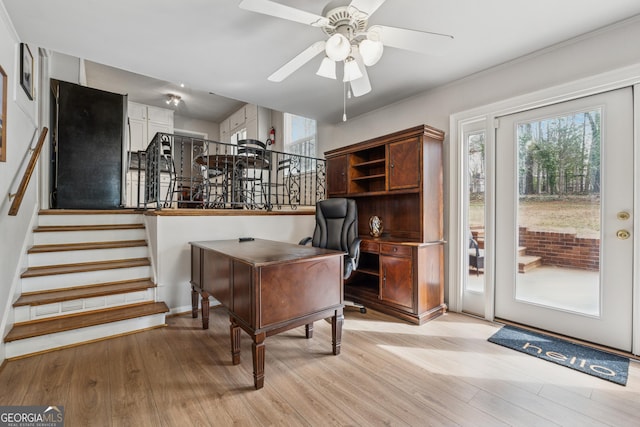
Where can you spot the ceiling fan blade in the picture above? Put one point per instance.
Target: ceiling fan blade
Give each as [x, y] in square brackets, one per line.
[360, 86]
[303, 57]
[417, 41]
[268, 7]
[366, 6]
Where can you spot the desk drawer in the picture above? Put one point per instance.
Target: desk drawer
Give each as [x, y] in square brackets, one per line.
[369, 246]
[395, 250]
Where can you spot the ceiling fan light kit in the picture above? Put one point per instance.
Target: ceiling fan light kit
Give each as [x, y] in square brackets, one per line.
[338, 47]
[371, 51]
[351, 70]
[327, 68]
[349, 40]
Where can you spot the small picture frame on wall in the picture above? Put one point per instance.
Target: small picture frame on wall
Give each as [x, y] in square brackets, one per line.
[26, 70]
[3, 115]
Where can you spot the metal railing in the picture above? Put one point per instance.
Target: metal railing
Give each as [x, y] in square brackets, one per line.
[185, 172]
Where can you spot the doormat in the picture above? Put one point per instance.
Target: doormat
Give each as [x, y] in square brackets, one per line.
[589, 360]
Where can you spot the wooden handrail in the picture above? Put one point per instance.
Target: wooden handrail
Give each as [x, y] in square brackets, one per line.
[22, 189]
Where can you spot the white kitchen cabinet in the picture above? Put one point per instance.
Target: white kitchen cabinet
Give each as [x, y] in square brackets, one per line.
[133, 179]
[255, 119]
[224, 131]
[144, 122]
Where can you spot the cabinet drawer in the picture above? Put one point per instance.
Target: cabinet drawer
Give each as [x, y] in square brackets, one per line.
[395, 250]
[369, 246]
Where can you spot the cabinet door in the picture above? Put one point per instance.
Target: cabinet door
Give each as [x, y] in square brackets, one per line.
[137, 111]
[224, 131]
[158, 127]
[404, 164]
[237, 120]
[337, 175]
[160, 115]
[138, 135]
[396, 280]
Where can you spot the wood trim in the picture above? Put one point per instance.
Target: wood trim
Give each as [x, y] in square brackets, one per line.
[228, 212]
[24, 183]
[90, 212]
[82, 320]
[91, 291]
[47, 228]
[48, 270]
[65, 247]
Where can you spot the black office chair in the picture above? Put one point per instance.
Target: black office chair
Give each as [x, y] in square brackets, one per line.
[337, 228]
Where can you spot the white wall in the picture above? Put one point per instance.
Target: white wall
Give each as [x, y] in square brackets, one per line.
[20, 127]
[66, 68]
[608, 49]
[185, 123]
[171, 251]
[583, 58]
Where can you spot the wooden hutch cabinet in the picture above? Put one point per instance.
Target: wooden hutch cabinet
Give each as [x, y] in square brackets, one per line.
[397, 177]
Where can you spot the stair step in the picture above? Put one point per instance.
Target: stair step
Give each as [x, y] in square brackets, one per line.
[86, 246]
[528, 262]
[77, 321]
[68, 294]
[94, 227]
[522, 251]
[48, 270]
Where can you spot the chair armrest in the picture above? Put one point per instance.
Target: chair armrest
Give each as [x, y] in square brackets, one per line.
[305, 241]
[354, 252]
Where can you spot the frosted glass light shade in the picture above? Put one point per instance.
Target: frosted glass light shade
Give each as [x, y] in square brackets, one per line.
[351, 70]
[371, 51]
[338, 47]
[327, 68]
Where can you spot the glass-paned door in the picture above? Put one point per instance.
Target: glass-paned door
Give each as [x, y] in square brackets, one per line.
[474, 142]
[564, 223]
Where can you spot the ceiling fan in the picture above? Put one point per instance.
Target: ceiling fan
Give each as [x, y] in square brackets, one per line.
[350, 40]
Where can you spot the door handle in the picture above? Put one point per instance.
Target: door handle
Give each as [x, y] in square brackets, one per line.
[623, 215]
[623, 234]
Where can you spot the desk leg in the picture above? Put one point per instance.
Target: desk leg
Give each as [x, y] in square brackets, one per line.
[258, 350]
[194, 302]
[235, 341]
[205, 310]
[336, 330]
[308, 329]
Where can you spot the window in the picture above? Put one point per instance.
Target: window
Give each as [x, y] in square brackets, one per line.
[300, 138]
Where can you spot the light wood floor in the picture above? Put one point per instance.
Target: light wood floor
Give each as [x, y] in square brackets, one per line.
[443, 373]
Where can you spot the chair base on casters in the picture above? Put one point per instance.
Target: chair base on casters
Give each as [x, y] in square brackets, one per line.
[362, 308]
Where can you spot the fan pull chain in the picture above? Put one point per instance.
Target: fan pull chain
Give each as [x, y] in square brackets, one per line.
[344, 102]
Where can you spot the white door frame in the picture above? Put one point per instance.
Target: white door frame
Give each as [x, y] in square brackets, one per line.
[457, 236]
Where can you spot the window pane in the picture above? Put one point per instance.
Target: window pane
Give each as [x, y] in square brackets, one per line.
[476, 191]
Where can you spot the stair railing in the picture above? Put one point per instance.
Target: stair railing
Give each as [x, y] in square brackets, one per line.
[24, 183]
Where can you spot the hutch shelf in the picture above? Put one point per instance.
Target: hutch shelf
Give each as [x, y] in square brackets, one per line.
[397, 177]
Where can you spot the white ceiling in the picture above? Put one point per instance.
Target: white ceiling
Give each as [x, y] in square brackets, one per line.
[215, 47]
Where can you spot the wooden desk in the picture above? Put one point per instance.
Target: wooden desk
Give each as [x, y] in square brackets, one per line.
[268, 287]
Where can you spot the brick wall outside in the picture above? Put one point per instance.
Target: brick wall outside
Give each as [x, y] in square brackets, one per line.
[562, 249]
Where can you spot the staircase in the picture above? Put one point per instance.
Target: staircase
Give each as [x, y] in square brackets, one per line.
[89, 278]
[527, 262]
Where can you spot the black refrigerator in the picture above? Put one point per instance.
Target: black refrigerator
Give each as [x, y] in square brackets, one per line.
[87, 147]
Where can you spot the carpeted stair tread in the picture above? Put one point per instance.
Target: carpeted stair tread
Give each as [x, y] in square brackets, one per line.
[68, 294]
[86, 246]
[96, 227]
[48, 270]
[83, 320]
